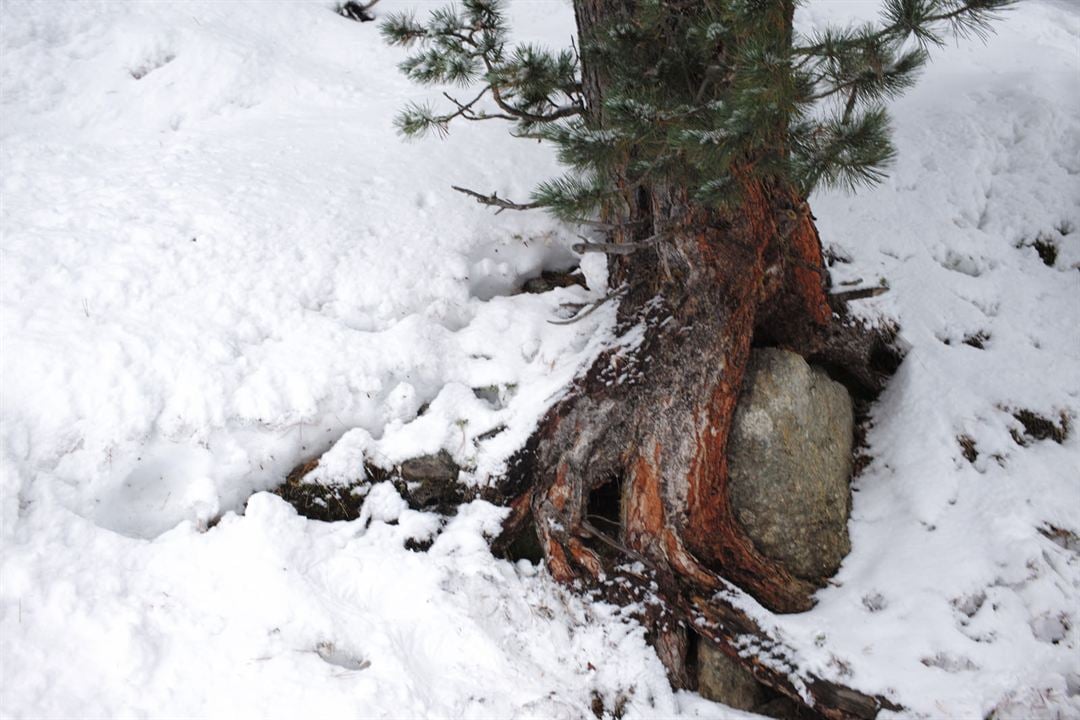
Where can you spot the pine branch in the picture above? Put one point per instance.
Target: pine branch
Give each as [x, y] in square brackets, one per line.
[914, 17]
[692, 92]
[530, 87]
[532, 118]
[494, 200]
[466, 110]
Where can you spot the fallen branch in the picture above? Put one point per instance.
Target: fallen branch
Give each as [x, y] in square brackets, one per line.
[848, 295]
[494, 200]
[615, 248]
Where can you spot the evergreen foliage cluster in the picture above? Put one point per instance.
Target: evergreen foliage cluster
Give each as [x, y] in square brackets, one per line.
[694, 90]
[466, 44]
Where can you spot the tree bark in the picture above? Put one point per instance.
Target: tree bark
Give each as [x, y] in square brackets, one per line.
[628, 473]
[646, 428]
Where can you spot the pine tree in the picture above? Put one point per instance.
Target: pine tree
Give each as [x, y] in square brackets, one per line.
[691, 90]
[693, 132]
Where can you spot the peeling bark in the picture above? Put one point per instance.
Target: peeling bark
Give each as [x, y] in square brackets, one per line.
[654, 412]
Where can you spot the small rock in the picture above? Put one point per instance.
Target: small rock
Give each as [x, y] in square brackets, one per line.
[432, 481]
[550, 279]
[779, 707]
[438, 468]
[721, 679]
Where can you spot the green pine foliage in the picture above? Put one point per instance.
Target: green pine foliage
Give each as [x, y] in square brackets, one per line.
[467, 45]
[695, 90]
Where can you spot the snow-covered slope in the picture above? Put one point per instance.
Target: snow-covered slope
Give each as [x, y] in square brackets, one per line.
[217, 257]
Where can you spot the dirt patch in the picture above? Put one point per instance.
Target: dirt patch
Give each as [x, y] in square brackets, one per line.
[967, 448]
[316, 501]
[1039, 427]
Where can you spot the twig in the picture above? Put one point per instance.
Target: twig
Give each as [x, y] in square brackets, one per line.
[591, 530]
[528, 117]
[465, 110]
[850, 106]
[590, 309]
[887, 30]
[608, 225]
[849, 295]
[495, 201]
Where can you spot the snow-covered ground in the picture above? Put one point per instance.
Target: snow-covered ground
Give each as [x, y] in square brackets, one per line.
[218, 257]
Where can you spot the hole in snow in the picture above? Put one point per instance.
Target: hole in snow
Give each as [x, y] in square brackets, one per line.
[950, 663]
[874, 602]
[549, 280]
[168, 484]
[334, 655]
[1051, 628]
[151, 65]
[1045, 246]
[505, 268]
[969, 605]
[964, 264]
[977, 339]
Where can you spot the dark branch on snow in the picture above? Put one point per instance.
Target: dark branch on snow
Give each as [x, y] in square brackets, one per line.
[495, 201]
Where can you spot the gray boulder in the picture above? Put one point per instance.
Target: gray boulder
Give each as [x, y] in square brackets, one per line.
[790, 463]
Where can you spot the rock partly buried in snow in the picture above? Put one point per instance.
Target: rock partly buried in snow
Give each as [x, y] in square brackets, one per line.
[320, 501]
[431, 481]
[722, 679]
[790, 463]
[548, 280]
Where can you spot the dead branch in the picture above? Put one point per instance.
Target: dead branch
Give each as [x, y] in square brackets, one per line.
[858, 294]
[494, 200]
[616, 248]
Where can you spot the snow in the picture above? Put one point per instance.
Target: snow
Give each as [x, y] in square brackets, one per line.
[950, 578]
[218, 259]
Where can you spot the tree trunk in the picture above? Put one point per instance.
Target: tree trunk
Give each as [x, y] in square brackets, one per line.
[653, 414]
[629, 475]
